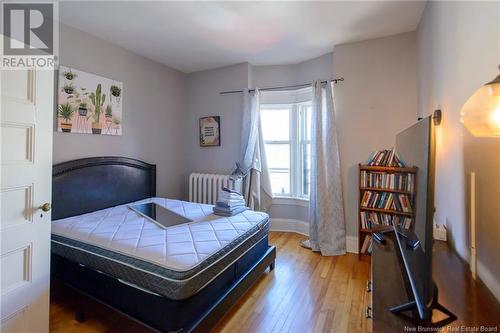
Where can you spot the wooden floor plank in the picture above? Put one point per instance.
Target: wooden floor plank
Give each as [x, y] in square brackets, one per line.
[305, 293]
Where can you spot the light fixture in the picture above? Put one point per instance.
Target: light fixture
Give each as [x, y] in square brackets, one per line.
[436, 117]
[481, 113]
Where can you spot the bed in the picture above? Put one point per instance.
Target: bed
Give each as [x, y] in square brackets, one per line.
[189, 275]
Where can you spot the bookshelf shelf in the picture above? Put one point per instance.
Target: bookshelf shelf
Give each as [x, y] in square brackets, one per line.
[386, 211]
[388, 169]
[380, 189]
[391, 187]
[374, 229]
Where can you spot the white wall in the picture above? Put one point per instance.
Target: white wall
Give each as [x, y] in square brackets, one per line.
[377, 100]
[284, 75]
[204, 99]
[153, 109]
[458, 51]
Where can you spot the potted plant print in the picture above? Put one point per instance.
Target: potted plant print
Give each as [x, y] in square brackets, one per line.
[82, 109]
[116, 124]
[97, 99]
[108, 118]
[69, 75]
[108, 113]
[115, 92]
[69, 89]
[66, 111]
[84, 92]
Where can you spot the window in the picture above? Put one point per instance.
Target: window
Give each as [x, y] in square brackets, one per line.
[286, 130]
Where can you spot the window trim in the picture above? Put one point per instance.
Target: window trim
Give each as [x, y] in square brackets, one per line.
[295, 142]
[301, 140]
[291, 201]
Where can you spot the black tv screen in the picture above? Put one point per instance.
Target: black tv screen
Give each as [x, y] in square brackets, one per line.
[416, 147]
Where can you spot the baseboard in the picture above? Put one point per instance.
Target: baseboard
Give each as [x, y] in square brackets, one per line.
[488, 279]
[302, 227]
[289, 225]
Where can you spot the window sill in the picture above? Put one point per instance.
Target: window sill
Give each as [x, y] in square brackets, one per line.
[292, 201]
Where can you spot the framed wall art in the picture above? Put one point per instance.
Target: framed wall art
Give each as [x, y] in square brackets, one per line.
[210, 131]
[88, 103]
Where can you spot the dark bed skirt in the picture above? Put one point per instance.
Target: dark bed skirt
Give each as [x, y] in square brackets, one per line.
[198, 312]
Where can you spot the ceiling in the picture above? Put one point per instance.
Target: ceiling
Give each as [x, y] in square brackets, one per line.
[194, 36]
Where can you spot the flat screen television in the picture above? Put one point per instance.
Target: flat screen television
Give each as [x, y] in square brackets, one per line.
[416, 146]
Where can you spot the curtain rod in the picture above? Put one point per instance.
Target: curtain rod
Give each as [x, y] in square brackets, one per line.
[340, 79]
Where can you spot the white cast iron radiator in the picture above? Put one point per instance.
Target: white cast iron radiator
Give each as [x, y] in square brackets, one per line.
[204, 187]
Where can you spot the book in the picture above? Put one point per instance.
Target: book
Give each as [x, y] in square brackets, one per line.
[366, 244]
[371, 219]
[386, 200]
[387, 157]
[393, 181]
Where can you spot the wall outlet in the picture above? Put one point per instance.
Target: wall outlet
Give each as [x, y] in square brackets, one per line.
[439, 232]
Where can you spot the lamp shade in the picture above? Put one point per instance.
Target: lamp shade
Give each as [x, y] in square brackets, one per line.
[481, 113]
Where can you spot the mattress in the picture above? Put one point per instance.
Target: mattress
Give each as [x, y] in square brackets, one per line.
[175, 262]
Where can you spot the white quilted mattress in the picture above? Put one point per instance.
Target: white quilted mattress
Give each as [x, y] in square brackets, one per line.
[179, 248]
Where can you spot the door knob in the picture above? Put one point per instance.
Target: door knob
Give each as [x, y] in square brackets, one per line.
[45, 207]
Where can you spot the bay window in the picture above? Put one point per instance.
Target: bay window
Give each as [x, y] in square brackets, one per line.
[286, 130]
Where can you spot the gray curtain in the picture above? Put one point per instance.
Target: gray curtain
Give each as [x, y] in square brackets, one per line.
[326, 207]
[253, 164]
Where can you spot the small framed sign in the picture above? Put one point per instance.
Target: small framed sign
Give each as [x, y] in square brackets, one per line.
[210, 131]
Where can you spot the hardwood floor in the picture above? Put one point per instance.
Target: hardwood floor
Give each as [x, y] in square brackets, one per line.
[304, 293]
[308, 293]
[470, 300]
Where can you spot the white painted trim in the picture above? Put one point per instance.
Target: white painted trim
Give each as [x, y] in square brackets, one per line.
[482, 271]
[289, 225]
[472, 217]
[291, 201]
[352, 244]
[302, 227]
[286, 97]
[488, 279]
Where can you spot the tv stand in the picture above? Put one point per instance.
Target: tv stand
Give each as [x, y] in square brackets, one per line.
[404, 307]
[391, 287]
[433, 306]
[391, 230]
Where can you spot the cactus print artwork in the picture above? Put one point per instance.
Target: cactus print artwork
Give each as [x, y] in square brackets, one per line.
[88, 103]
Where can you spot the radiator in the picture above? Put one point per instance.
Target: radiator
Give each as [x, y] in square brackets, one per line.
[204, 187]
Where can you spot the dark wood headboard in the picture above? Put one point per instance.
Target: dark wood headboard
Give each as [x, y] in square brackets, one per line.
[89, 184]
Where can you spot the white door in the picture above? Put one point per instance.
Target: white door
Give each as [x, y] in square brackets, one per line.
[26, 124]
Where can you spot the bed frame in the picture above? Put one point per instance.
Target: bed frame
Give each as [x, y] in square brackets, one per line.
[89, 184]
